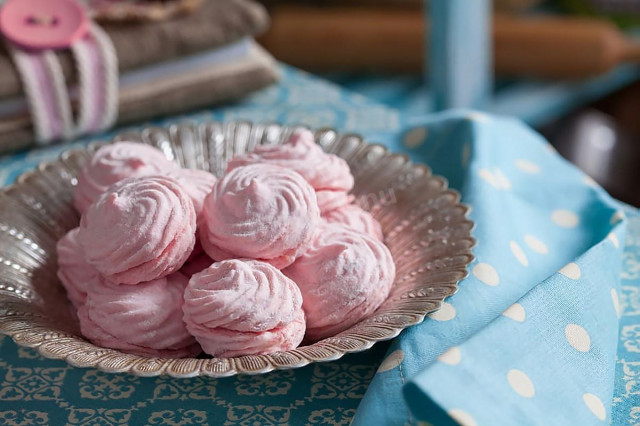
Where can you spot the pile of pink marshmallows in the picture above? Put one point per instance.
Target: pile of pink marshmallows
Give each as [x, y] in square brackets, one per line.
[170, 262]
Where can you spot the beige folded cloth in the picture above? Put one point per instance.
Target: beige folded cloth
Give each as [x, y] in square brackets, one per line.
[178, 94]
[216, 23]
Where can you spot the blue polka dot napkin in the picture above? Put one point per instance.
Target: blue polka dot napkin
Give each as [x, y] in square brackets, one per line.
[531, 336]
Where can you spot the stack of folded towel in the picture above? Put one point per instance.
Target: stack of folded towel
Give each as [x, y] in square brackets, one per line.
[166, 67]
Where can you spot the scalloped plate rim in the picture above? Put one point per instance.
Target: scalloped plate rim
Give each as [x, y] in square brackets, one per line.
[395, 330]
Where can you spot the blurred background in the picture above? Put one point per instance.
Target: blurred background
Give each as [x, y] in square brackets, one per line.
[569, 68]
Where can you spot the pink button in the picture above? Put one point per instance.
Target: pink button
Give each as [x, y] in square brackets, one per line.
[43, 24]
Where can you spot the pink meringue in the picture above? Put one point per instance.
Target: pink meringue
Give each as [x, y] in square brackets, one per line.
[139, 230]
[344, 276]
[301, 154]
[111, 164]
[76, 275]
[196, 183]
[243, 307]
[144, 320]
[330, 200]
[355, 218]
[261, 212]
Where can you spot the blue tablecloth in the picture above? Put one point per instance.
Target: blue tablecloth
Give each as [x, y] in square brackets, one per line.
[520, 342]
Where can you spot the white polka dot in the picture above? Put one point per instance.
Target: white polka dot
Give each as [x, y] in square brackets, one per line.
[392, 361]
[496, 178]
[571, 270]
[466, 154]
[478, 116]
[489, 177]
[617, 217]
[502, 180]
[518, 253]
[445, 313]
[521, 383]
[516, 312]
[486, 273]
[451, 357]
[527, 166]
[614, 239]
[595, 405]
[588, 180]
[616, 302]
[535, 244]
[462, 417]
[565, 218]
[577, 337]
[415, 137]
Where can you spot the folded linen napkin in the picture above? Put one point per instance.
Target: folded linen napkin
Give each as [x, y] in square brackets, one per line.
[214, 24]
[531, 336]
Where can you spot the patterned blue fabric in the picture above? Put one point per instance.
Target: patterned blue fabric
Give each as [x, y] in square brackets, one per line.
[512, 363]
[626, 399]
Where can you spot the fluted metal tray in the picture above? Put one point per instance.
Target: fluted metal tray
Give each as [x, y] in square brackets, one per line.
[424, 223]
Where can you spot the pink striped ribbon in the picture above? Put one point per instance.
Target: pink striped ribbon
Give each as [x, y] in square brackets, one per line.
[48, 96]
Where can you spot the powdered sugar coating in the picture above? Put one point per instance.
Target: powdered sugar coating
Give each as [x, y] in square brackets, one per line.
[301, 154]
[145, 319]
[330, 200]
[355, 218]
[139, 230]
[243, 307]
[261, 212]
[344, 276]
[74, 272]
[196, 183]
[114, 162]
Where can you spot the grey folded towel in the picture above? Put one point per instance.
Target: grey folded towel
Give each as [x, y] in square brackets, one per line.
[216, 23]
[197, 89]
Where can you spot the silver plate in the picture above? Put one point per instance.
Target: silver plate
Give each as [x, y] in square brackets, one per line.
[424, 223]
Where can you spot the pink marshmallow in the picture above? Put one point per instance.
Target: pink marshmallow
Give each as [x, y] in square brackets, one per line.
[355, 218]
[141, 229]
[330, 200]
[144, 320]
[196, 183]
[76, 275]
[112, 163]
[325, 172]
[261, 212]
[243, 307]
[344, 276]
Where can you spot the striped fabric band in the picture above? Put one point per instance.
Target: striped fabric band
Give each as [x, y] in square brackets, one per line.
[48, 96]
